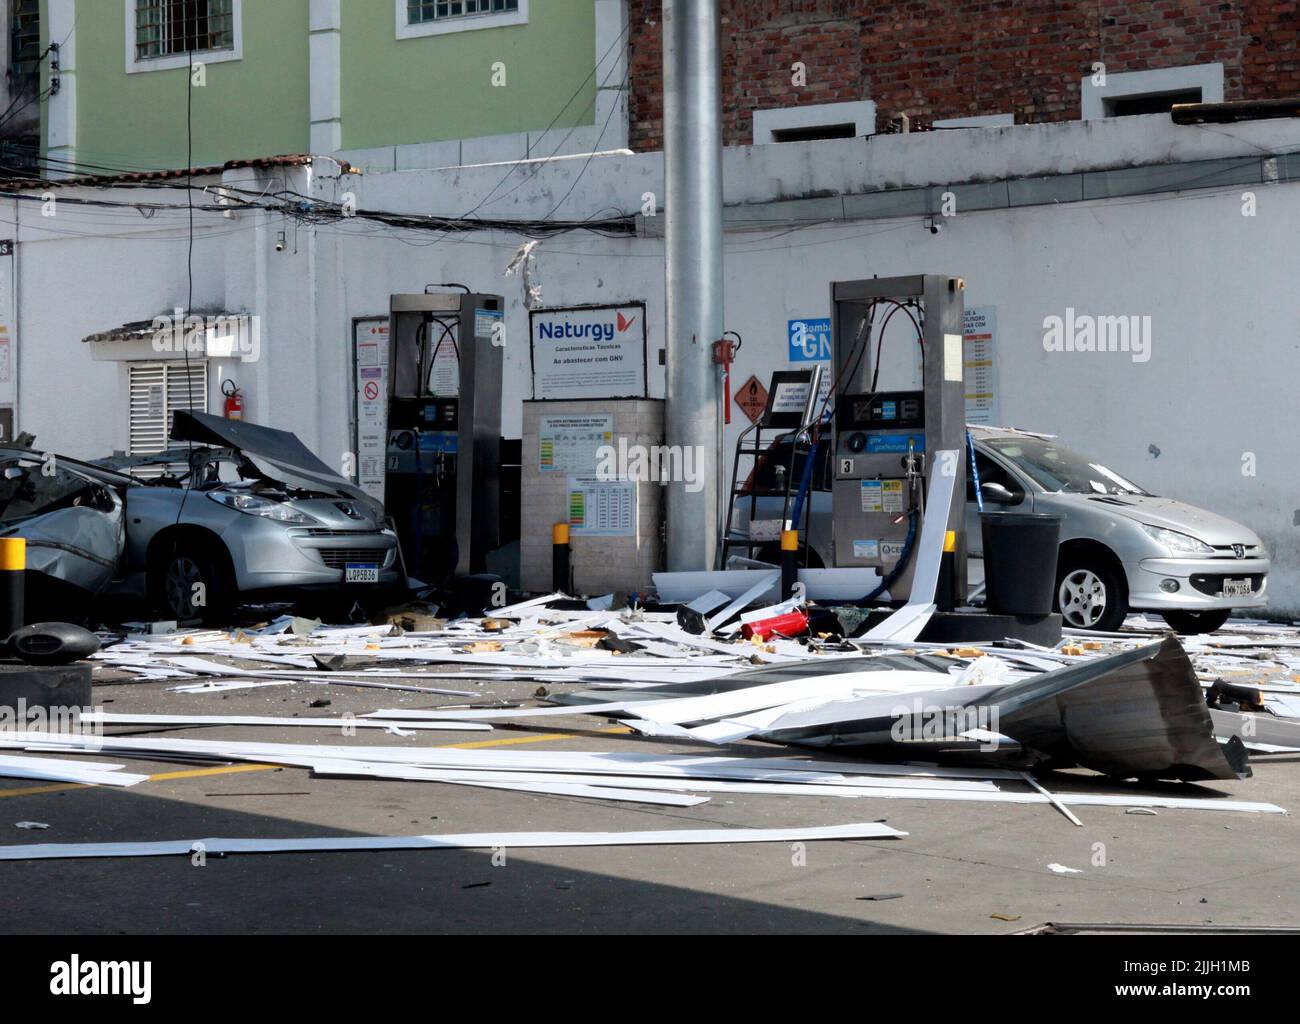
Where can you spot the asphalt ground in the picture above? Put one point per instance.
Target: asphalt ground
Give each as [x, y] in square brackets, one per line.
[963, 867]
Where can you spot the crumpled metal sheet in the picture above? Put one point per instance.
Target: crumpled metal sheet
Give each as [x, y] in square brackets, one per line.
[1141, 713]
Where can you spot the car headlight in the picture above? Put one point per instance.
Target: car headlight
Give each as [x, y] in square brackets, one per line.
[252, 505]
[1178, 543]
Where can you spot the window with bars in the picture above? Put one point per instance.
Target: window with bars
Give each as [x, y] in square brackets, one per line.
[422, 12]
[157, 391]
[25, 39]
[165, 28]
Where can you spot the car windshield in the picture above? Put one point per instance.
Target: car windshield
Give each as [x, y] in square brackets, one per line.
[1056, 468]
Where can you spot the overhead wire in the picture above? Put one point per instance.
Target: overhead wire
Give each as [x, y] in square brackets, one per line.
[487, 199]
[183, 326]
[590, 156]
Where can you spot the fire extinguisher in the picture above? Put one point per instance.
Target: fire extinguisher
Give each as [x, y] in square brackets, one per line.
[234, 400]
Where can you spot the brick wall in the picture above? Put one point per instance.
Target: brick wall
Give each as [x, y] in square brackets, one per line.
[965, 57]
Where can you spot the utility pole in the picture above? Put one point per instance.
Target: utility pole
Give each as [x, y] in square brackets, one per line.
[693, 178]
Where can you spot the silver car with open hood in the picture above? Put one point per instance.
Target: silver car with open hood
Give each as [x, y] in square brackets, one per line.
[239, 513]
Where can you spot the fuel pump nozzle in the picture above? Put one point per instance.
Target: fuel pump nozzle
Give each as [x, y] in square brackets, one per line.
[914, 470]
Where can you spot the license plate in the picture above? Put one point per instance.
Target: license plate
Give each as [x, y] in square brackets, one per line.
[1237, 588]
[362, 574]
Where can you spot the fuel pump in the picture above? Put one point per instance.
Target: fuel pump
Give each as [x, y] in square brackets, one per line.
[885, 433]
[442, 487]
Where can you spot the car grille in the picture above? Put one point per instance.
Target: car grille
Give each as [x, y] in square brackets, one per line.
[1211, 584]
[1230, 551]
[341, 558]
[358, 534]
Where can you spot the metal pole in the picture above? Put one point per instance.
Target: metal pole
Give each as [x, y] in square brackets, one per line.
[693, 179]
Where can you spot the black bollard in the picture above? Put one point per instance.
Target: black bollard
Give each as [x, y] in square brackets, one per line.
[789, 562]
[561, 558]
[13, 577]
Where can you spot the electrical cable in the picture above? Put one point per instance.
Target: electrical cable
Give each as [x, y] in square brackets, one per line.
[880, 342]
[189, 268]
[590, 156]
[447, 332]
[555, 120]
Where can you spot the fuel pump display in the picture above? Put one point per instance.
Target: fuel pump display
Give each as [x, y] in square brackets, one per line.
[442, 487]
[883, 438]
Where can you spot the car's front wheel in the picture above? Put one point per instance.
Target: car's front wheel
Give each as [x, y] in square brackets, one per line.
[1091, 595]
[192, 585]
[1193, 623]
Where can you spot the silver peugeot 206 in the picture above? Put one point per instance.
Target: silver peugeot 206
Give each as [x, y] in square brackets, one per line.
[1122, 548]
[240, 514]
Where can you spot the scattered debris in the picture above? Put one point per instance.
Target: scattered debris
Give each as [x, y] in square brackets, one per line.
[473, 841]
[1061, 869]
[692, 675]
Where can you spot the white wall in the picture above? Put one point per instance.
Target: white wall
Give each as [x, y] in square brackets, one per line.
[1217, 285]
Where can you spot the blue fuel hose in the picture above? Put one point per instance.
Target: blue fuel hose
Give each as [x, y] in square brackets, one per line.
[804, 485]
[903, 559]
[974, 471]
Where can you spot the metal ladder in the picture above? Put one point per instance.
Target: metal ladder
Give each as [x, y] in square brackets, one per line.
[755, 442]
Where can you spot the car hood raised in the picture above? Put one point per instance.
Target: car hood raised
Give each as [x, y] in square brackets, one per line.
[1168, 514]
[277, 453]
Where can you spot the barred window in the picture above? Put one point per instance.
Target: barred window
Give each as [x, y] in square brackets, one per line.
[25, 38]
[167, 27]
[421, 12]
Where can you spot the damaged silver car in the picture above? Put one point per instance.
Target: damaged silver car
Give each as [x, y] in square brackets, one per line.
[241, 514]
[72, 517]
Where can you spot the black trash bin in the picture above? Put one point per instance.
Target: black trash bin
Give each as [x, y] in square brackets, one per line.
[1020, 551]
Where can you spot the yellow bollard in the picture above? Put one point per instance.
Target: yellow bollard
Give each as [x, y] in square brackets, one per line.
[13, 577]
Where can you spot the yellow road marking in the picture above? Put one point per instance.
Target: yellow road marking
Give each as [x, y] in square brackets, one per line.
[546, 738]
[196, 773]
[200, 773]
[233, 769]
[549, 737]
[38, 790]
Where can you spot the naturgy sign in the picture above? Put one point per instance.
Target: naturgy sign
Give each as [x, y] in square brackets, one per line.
[589, 352]
[600, 331]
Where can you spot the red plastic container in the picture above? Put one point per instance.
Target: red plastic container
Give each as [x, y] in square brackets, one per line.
[791, 624]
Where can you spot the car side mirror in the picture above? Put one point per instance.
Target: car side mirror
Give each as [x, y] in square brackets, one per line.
[996, 494]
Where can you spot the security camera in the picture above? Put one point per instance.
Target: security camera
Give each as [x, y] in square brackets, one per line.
[279, 246]
[281, 242]
[934, 226]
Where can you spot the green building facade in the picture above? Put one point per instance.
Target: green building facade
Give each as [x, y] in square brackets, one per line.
[143, 84]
